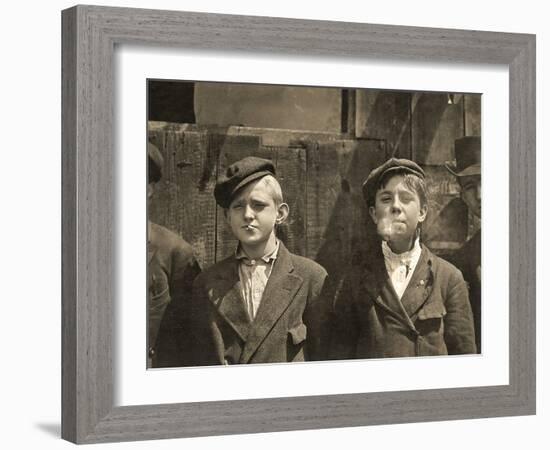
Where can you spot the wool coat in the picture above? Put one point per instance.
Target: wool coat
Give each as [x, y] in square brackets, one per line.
[468, 260]
[171, 271]
[288, 325]
[433, 317]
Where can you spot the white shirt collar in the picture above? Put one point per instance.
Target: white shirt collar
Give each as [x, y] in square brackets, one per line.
[400, 267]
[406, 258]
[241, 255]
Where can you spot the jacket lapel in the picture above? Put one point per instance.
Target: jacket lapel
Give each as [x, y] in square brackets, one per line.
[380, 288]
[227, 298]
[420, 286]
[376, 282]
[279, 293]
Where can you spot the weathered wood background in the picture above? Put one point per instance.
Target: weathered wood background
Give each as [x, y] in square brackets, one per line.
[321, 173]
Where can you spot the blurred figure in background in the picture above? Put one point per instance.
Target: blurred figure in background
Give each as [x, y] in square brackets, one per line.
[171, 271]
[468, 258]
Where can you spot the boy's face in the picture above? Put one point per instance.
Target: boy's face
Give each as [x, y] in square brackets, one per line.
[471, 192]
[397, 211]
[252, 214]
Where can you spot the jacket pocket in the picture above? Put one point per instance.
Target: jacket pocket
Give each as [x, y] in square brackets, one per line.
[430, 320]
[298, 334]
[432, 310]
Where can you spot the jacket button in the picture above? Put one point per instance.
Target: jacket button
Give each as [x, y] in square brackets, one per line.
[151, 352]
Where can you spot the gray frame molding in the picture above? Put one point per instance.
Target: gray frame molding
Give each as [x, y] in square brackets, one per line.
[89, 36]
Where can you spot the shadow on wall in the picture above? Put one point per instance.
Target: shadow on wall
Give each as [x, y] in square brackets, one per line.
[350, 234]
[322, 174]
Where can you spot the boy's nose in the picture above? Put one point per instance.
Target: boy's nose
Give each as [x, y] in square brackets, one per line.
[248, 212]
[396, 205]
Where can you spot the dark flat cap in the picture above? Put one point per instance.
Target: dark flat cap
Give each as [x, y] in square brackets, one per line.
[238, 175]
[370, 186]
[155, 163]
[468, 157]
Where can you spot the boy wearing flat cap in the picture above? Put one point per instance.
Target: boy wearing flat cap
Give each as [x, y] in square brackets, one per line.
[404, 301]
[467, 171]
[171, 269]
[260, 305]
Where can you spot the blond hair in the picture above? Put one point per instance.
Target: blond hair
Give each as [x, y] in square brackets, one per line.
[273, 186]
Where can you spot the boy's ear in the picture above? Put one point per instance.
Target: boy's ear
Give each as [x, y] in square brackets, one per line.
[282, 213]
[423, 213]
[372, 213]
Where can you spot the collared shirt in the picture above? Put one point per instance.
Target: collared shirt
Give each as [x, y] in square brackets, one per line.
[400, 267]
[253, 274]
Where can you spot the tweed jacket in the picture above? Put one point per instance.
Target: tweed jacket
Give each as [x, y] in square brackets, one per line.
[433, 316]
[288, 325]
[171, 271]
[468, 260]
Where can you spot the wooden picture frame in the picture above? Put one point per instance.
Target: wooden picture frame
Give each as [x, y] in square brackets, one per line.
[90, 34]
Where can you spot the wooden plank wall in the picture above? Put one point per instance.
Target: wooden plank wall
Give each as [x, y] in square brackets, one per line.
[183, 199]
[339, 230]
[386, 116]
[321, 175]
[290, 164]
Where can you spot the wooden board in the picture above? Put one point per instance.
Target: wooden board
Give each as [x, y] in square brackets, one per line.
[338, 226]
[183, 200]
[385, 115]
[435, 126]
[197, 177]
[290, 164]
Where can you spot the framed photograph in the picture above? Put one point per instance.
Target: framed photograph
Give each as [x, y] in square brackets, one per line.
[170, 165]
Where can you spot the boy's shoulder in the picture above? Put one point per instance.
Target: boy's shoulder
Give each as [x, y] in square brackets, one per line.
[166, 240]
[440, 266]
[306, 265]
[220, 269]
[371, 266]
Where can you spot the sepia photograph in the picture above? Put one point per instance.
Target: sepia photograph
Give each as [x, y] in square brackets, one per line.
[296, 223]
[273, 224]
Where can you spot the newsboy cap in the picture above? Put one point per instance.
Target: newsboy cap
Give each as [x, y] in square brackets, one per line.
[370, 186]
[155, 163]
[238, 175]
[468, 157]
